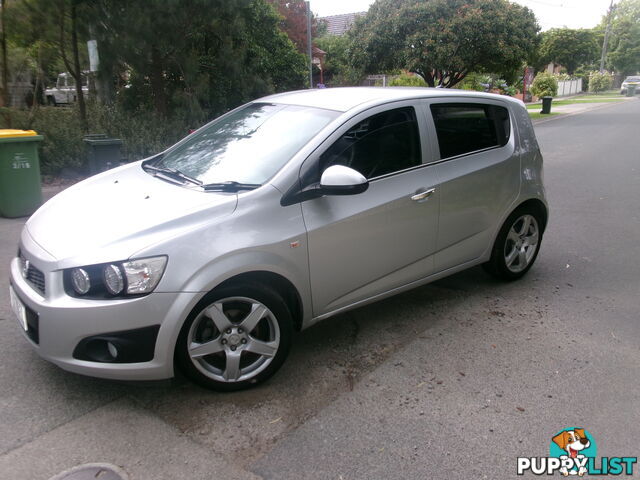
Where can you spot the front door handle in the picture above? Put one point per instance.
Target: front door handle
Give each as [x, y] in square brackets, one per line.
[423, 195]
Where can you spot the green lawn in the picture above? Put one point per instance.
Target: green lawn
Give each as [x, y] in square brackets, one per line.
[580, 99]
[534, 115]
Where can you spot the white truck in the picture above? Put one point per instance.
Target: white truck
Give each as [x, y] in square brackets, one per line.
[64, 92]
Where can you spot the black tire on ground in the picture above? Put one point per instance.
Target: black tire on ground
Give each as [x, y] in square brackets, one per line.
[51, 101]
[258, 292]
[497, 265]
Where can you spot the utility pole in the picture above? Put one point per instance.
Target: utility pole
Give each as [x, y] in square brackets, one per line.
[607, 32]
[309, 48]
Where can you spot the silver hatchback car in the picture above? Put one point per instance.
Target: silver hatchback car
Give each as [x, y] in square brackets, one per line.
[281, 213]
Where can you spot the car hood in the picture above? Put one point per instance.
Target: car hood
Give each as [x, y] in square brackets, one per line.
[112, 215]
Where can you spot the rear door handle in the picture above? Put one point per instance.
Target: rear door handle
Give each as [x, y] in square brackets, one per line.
[423, 195]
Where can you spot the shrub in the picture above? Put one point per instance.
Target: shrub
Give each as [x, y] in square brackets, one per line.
[143, 133]
[599, 82]
[407, 80]
[475, 81]
[562, 77]
[544, 85]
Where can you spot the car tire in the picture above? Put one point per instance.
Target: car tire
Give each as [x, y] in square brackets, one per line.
[51, 101]
[235, 337]
[517, 245]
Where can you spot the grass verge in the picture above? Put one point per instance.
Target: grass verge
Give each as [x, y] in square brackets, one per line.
[535, 115]
[573, 101]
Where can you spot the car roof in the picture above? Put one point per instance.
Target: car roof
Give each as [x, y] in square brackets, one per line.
[345, 98]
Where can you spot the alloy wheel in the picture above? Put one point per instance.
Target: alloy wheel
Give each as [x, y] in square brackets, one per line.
[521, 243]
[233, 339]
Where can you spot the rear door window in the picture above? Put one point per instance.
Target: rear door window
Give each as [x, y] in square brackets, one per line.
[464, 128]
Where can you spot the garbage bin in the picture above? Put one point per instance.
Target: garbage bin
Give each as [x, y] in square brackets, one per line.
[103, 152]
[631, 90]
[20, 189]
[546, 105]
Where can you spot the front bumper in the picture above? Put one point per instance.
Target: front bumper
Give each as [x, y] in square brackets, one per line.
[63, 322]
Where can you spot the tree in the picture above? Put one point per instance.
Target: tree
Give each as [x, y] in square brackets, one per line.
[569, 47]
[338, 69]
[44, 25]
[624, 54]
[211, 55]
[4, 97]
[444, 40]
[294, 21]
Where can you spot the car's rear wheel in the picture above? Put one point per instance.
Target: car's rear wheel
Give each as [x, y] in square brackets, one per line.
[517, 245]
[236, 337]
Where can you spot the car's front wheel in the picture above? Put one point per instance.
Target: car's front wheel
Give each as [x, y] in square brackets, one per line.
[517, 245]
[236, 337]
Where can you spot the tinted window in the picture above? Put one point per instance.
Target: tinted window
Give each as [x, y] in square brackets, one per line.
[464, 128]
[381, 144]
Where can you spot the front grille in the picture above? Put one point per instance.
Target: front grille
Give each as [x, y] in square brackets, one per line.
[32, 275]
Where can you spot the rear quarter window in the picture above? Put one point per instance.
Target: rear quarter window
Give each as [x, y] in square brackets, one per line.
[464, 128]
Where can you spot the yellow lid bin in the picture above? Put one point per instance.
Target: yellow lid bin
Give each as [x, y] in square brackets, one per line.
[8, 133]
[20, 193]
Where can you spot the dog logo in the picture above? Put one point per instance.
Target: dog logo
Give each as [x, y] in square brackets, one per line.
[573, 443]
[572, 452]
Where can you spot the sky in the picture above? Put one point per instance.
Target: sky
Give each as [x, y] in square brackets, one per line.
[550, 13]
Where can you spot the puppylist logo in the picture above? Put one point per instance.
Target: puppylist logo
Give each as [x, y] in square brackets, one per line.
[573, 451]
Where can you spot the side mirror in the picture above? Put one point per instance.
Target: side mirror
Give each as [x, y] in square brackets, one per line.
[335, 180]
[341, 180]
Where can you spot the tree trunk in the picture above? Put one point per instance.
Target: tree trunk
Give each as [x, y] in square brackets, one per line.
[157, 83]
[77, 71]
[4, 100]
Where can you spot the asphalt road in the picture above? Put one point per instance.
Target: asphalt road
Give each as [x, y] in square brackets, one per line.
[452, 380]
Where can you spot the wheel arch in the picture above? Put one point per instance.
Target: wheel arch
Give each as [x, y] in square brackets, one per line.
[537, 205]
[280, 284]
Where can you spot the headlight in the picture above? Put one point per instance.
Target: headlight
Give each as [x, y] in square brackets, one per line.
[117, 279]
[113, 279]
[80, 281]
[143, 275]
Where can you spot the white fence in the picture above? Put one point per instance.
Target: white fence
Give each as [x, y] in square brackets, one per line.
[569, 87]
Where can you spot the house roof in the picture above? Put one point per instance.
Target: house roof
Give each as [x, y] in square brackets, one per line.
[339, 24]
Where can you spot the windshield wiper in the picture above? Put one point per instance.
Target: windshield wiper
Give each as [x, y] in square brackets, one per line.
[172, 173]
[230, 186]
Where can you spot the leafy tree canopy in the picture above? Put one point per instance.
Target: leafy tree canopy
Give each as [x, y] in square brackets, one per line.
[338, 69]
[294, 21]
[192, 58]
[569, 47]
[624, 49]
[443, 40]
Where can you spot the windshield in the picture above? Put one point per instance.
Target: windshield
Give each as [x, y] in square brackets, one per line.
[632, 79]
[248, 146]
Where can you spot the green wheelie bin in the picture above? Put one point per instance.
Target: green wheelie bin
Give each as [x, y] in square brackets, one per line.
[20, 190]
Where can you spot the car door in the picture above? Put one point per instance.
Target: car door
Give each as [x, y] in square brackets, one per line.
[479, 173]
[364, 245]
